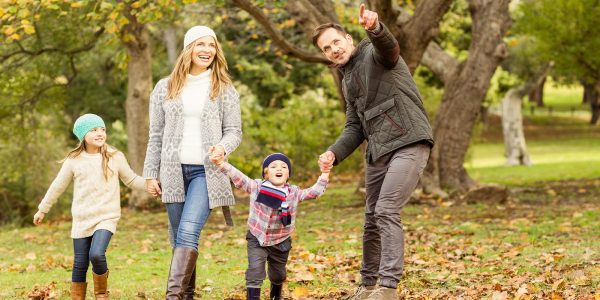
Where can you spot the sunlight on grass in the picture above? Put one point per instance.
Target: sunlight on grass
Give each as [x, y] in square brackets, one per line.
[552, 160]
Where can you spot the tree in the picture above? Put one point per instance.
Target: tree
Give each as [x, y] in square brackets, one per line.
[466, 82]
[566, 32]
[29, 39]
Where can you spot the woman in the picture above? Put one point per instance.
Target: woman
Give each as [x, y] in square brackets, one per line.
[193, 110]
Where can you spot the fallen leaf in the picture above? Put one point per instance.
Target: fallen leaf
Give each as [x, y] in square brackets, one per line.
[300, 292]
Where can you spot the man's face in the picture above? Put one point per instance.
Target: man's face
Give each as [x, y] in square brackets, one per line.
[336, 46]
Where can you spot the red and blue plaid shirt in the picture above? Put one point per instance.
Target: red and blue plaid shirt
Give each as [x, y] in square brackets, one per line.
[263, 221]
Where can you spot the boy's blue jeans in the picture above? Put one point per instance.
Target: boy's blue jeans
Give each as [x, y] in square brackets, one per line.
[188, 218]
[92, 248]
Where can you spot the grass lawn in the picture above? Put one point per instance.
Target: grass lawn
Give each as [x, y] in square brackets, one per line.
[540, 243]
[562, 146]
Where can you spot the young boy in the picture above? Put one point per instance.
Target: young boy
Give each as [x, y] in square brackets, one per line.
[273, 208]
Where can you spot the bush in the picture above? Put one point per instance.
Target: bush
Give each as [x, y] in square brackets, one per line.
[302, 129]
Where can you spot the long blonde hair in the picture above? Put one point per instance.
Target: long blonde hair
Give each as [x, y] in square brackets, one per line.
[106, 155]
[219, 74]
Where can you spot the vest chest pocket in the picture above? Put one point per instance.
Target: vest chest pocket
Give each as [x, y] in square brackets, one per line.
[387, 121]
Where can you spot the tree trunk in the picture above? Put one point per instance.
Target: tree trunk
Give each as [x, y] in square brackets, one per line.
[464, 93]
[170, 40]
[594, 99]
[136, 39]
[515, 148]
[536, 95]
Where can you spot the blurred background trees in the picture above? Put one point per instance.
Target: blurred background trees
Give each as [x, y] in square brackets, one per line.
[62, 59]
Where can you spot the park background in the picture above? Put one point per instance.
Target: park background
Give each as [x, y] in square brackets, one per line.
[508, 208]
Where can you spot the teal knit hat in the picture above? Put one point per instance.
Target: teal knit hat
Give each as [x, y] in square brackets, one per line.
[86, 123]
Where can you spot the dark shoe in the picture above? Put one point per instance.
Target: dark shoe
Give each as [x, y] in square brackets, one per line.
[183, 264]
[253, 293]
[275, 293]
[191, 288]
[101, 285]
[362, 292]
[78, 290]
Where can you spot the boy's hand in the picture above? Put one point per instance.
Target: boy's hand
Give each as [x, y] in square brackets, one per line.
[38, 217]
[217, 155]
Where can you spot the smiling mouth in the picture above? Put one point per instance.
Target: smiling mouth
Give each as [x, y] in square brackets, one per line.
[204, 57]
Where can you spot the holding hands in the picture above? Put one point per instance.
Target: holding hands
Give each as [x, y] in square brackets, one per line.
[326, 161]
[153, 187]
[217, 155]
[367, 18]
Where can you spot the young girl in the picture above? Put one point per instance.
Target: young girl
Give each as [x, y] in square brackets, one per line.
[273, 210]
[95, 167]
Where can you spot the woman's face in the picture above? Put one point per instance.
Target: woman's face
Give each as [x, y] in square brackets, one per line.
[203, 54]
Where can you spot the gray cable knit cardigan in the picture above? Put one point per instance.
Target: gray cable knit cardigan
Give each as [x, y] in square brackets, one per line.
[221, 124]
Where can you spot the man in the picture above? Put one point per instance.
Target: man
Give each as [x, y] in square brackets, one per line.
[384, 107]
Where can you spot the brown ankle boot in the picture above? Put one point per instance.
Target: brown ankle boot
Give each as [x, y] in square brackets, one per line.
[101, 285]
[78, 290]
[182, 267]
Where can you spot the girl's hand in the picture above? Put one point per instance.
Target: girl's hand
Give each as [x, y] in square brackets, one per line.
[153, 187]
[38, 217]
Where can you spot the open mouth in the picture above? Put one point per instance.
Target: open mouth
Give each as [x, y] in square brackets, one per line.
[279, 175]
[204, 58]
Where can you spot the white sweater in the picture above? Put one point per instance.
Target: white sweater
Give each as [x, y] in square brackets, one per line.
[96, 201]
[194, 96]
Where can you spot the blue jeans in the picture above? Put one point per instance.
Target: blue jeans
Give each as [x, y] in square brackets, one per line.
[188, 218]
[92, 248]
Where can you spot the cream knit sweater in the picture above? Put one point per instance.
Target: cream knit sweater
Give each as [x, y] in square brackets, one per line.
[96, 201]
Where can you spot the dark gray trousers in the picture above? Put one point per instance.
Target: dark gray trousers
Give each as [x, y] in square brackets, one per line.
[389, 182]
[276, 255]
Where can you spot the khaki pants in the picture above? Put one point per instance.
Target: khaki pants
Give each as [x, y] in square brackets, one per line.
[389, 182]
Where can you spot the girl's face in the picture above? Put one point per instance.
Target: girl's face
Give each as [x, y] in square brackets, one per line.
[277, 173]
[203, 54]
[95, 139]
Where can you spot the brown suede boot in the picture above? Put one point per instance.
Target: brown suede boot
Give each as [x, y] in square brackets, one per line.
[78, 290]
[362, 292]
[101, 285]
[191, 288]
[182, 267]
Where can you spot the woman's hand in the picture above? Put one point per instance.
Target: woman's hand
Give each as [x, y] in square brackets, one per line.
[217, 155]
[153, 187]
[38, 217]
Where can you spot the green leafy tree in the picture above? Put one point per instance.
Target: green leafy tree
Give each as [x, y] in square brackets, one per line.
[567, 32]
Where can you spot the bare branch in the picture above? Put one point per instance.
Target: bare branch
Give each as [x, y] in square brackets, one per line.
[276, 35]
[442, 64]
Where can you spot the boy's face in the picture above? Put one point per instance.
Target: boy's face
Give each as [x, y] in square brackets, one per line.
[277, 173]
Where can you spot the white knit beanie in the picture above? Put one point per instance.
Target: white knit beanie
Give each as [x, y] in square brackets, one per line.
[197, 32]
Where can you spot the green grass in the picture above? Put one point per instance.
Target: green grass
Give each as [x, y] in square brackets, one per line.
[450, 250]
[552, 160]
[561, 146]
[563, 100]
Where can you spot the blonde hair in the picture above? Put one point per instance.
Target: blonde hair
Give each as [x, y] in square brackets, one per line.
[219, 72]
[106, 155]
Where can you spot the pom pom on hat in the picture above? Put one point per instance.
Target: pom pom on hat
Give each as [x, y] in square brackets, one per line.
[197, 32]
[86, 123]
[277, 156]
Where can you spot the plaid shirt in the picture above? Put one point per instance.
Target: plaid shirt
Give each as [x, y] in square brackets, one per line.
[263, 221]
